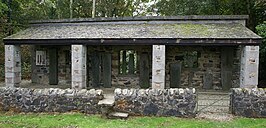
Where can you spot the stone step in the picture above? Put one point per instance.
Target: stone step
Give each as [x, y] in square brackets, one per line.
[118, 115]
[108, 100]
[214, 109]
[213, 93]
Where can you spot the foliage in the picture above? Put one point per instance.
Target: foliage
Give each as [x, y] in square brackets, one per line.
[25, 10]
[261, 30]
[95, 121]
[254, 8]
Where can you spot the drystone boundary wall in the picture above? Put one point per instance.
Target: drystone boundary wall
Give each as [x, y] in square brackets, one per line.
[50, 100]
[248, 102]
[156, 102]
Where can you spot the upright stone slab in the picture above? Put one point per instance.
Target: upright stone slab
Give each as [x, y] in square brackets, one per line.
[95, 69]
[175, 75]
[158, 67]
[227, 56]
[207, 80]
[107, 69]
[144, 70]
[12, 65]
[53, 66]
[249, 66]
[131, 64]
[124, 62]
[79, 71]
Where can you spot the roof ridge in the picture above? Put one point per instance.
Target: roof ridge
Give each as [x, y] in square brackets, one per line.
[144, 18]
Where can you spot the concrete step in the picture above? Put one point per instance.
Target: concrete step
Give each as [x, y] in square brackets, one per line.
[118, 115]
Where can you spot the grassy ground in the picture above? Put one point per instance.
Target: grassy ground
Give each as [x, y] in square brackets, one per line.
[94, 121]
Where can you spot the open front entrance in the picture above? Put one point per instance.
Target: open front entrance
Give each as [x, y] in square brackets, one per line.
[101, 69]
[119, 66]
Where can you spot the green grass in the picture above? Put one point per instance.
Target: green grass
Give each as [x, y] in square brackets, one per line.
[95, 121]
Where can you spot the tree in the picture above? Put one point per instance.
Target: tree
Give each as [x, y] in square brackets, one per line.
[261, 30]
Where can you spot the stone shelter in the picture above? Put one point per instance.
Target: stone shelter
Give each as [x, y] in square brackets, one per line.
[205, 52]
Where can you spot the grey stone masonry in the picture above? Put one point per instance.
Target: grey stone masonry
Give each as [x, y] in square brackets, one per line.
[158, 67]
[12, 65]
[249, 66]
[79, 66]
[50, 100]
[248, 102]
[156, 102]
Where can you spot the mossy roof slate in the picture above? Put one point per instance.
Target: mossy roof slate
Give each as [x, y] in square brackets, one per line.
[136, 31]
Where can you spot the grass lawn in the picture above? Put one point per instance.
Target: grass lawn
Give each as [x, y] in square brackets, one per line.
[95, 121]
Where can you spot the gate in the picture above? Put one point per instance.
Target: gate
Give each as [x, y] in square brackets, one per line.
[213, 102]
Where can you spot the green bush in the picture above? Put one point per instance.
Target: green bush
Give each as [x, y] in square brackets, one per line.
[261, 30]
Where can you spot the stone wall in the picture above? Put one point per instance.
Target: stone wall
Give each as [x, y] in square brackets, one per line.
[153, 102]
[49, 100]
[248, 102]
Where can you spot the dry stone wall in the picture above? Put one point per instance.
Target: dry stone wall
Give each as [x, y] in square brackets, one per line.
[154, 102]
[248, 102]
[50, 100]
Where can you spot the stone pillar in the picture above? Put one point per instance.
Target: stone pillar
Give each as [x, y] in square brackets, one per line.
[12, 65]
[158, 67]
[79, 66]
[249, 66]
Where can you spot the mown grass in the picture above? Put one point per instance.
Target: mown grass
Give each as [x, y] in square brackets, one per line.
[95, 121]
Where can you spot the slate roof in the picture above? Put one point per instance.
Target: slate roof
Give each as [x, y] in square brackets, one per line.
[80, 32]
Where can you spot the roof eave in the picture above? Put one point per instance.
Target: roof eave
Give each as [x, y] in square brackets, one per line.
[136, 41]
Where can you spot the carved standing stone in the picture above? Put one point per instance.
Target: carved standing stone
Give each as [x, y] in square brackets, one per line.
[249, 66]
[79, 66]
[12, 65]
[158, 67]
